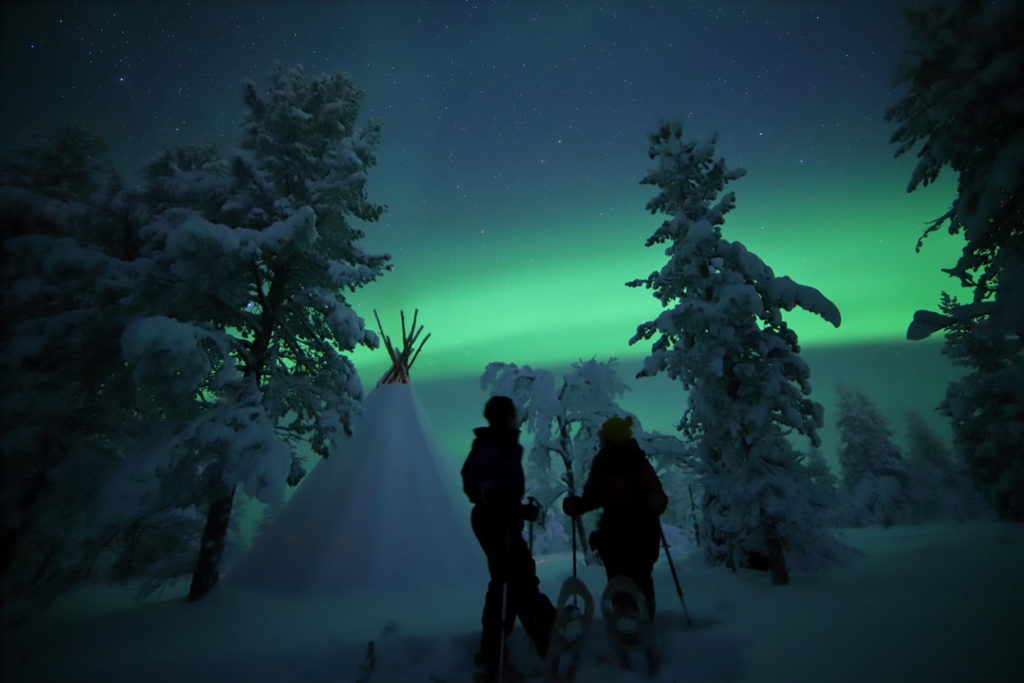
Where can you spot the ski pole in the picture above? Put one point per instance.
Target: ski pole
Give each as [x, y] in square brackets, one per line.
[504, 610]
[575, 595]
[675, 577]
[573, 525]
[535, 503]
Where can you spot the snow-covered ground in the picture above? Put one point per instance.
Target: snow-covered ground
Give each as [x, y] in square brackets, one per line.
[940, 602]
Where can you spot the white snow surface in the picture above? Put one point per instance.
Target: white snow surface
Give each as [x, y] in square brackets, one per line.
[936, 603]
[378, 515]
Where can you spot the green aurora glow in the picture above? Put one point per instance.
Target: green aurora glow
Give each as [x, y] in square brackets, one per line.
[514, 140]
[554, 298]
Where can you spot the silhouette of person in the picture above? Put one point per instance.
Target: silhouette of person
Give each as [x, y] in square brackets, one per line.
[623, 483]
[492, 478]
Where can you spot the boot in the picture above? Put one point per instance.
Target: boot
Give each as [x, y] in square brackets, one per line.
[487, 670]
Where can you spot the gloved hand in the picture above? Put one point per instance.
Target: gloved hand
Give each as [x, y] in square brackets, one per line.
[572, 506]
[529, 512]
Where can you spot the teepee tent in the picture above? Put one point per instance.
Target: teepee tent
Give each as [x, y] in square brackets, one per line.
[378, 515]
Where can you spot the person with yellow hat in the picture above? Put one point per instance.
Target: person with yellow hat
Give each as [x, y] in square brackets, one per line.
[625, 486]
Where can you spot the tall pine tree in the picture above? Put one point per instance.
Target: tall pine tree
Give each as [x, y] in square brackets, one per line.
[69, 272]
[962, 109]
[721, 334]
[254, 256]
[875, 477]
[941, 487]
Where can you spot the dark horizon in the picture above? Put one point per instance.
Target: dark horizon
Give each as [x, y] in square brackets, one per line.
[899, 377]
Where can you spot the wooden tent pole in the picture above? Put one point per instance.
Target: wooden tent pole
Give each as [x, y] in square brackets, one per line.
[401, 361]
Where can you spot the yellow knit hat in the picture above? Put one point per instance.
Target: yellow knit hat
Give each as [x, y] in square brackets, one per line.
[617, 430]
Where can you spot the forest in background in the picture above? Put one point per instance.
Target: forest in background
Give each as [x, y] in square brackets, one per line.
[171, 346]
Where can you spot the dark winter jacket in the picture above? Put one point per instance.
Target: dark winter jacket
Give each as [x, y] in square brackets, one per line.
[492, 475]
[624, 484]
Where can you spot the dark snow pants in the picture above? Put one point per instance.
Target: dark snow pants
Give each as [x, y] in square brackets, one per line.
[510, 565]
[631, 555]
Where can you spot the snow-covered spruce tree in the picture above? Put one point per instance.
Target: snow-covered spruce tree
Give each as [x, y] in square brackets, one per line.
[252, 273]
[940, 486]
[564, 422]
[962, 110]
[196, 177]
[825, 479]
[723, 337]
[876, 479]
[68, 276]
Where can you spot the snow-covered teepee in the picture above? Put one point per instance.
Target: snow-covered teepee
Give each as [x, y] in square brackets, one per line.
[377, 515]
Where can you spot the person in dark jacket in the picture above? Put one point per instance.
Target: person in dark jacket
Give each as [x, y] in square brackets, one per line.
[492, 478]
[623, 483]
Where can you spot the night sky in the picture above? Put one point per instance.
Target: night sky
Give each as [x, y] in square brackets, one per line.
[514, 140]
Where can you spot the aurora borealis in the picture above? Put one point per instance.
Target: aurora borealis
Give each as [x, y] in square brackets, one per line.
[514, 140]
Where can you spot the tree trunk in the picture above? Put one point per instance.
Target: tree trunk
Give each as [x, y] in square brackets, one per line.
[777, 559]
[694, 516]
[215, 533]
[11, 536]
[207, 569]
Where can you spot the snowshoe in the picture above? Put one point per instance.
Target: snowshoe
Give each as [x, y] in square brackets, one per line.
[572, 620]
[630, 633]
